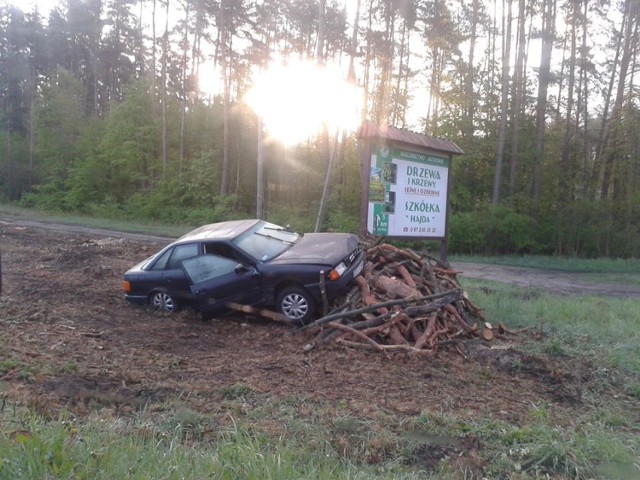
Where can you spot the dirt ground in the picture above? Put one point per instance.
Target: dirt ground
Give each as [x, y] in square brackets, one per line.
[70, 341]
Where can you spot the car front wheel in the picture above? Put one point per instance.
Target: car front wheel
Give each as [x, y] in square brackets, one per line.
[296, 304]
[163, 301]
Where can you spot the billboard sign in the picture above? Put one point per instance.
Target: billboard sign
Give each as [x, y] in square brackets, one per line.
[407, 193]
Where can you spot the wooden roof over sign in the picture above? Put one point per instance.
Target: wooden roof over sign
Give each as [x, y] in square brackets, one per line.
[369, 130]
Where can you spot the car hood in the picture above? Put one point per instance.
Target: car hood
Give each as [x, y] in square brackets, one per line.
[319, 248]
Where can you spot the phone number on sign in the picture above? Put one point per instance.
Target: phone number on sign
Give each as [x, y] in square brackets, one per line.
[419, 230]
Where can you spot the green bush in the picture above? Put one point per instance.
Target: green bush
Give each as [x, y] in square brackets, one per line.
[491, 230]
[466, 233]
[509, 232]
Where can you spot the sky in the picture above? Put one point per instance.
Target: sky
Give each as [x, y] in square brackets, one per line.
[44, 6]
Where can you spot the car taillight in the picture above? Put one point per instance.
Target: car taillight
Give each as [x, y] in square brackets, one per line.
[127, 286]
[337, 272]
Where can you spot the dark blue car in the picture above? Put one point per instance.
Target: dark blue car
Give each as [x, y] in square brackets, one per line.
[250, 262]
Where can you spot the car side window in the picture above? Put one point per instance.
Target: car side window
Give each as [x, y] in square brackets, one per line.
[223, 250]
[180, 252]
[161, 262]
[207, 267]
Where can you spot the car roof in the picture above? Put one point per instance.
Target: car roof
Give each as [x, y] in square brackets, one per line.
[220, 230]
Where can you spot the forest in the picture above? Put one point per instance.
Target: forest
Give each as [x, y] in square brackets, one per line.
[136, 109]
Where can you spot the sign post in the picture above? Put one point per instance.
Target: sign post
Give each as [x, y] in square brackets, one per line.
[406, 179]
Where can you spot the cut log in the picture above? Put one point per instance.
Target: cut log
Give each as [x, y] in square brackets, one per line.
[487, 334]
[428, 332]
[387, 348]
[404, 302]
[262, 312]
[354, 332]
[394, 288]
[406, 276]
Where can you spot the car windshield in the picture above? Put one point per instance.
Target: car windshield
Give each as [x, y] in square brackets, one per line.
[266, 241]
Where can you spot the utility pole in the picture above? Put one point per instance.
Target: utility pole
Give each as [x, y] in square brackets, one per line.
[327, 178]
[260, 175]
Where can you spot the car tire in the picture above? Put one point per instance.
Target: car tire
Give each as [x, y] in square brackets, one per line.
[163, 301]
[296, 304]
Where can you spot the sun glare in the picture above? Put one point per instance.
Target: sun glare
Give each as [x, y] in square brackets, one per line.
[297, 99]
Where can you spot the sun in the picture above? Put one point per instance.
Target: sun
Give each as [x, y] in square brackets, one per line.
[44, 6]
[296, 100]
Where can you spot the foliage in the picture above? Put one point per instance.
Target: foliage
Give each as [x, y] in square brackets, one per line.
[98, 118]
[466, 235]
[492, 231]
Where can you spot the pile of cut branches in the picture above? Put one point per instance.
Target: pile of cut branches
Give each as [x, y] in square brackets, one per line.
[402, 301]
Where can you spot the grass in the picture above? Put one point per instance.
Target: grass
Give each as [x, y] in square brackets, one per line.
[94, 449]
[595, 327]
[540, 449]
[163, 446]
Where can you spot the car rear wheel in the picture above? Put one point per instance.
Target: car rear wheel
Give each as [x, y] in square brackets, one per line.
[296, 304]
[163, 301]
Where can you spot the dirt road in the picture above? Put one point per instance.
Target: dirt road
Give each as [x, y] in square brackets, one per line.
[552, 281]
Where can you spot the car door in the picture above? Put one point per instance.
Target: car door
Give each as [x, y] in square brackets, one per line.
[174, 278]
[216, 281]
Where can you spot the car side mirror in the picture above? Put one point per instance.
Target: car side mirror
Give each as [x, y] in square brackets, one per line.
[240, 268]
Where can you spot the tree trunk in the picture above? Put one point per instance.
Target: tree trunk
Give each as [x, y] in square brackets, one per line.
[519, 93]
[603, 133]
[504, 104]
[367, 66]
[583, 104]
[260, 173]
[632, 11]
[224, 184]
[153, 59]
[565, 170]
[10, 179]
[185, 89]
[195, 51]
[469, 82]
[32, 126]
[384, 103]
[548, 33]
[399, 104]
[165, 54]
[353, 48]
[325, 189]
[140, 51]
[322, 13]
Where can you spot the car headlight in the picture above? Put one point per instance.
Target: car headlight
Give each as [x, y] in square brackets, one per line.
[337, 272]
